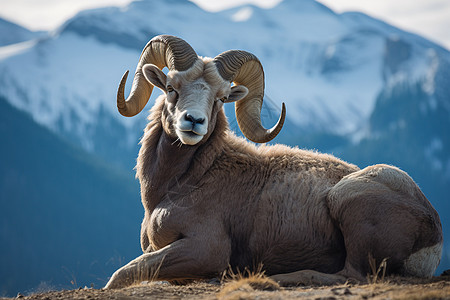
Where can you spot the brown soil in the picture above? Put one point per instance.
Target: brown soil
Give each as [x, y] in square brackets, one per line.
[390, 288]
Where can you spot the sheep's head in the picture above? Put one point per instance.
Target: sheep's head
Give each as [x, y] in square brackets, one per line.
[196, 88]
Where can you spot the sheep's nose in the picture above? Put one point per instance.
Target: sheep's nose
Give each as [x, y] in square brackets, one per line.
[193, 120]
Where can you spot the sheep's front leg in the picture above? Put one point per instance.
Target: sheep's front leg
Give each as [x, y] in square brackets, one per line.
[142, 268]
[181, 260]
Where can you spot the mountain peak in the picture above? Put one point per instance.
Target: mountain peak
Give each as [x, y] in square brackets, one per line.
[130, 26]
[305, 6]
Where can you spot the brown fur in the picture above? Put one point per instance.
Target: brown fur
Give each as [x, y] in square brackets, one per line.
[226, 202]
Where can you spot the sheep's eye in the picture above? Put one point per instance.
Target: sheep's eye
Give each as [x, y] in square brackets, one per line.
[224, 99]
[169, 89]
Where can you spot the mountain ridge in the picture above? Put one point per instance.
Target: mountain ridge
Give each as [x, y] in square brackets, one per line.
[330, 63]
[64, 215]
[12, 33]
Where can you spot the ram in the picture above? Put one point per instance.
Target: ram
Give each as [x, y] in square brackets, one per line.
[213, 200]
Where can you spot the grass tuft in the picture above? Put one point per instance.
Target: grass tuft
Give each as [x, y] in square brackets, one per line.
[375, 276]
[241, 285]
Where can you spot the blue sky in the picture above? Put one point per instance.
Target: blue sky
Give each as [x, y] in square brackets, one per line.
[430, 18]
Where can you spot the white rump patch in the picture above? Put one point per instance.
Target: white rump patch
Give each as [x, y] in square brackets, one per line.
[424, 262]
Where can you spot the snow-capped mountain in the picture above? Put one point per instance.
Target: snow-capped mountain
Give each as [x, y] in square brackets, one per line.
[64, 219]
[329, 68]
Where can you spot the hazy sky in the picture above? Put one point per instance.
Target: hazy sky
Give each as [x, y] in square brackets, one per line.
[430, 18]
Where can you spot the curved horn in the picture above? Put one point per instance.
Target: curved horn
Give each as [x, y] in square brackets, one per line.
[244, 68]
[162, 51]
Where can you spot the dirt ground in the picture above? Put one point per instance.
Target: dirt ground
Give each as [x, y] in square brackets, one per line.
[389, 288]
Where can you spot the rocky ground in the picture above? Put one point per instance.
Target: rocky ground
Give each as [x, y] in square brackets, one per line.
[263, 288]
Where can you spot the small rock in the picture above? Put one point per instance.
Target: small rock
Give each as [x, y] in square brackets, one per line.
[341, 291]
[214, 281]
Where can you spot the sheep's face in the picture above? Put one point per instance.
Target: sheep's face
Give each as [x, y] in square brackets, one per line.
[193, 98]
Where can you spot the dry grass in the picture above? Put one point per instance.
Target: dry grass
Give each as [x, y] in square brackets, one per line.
[389, 290]
[392, 288]
[375, 276]
[255, 285]
[242, 285]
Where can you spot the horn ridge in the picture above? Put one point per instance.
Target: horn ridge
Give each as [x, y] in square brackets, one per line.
[163, 51]
[244, 68]
[229, 62]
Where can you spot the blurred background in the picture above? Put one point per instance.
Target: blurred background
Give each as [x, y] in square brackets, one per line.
[368, 82]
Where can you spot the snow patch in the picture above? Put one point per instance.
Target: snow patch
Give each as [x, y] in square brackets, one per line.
[431, 152]
[429, 82]
[242, 15]
[16, 49]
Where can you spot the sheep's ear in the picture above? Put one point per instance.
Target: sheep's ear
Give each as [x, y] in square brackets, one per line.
[238, 92]
[155, 76]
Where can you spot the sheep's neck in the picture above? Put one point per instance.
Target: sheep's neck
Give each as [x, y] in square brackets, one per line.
[173, 169]
[169, 164]
[165, 167]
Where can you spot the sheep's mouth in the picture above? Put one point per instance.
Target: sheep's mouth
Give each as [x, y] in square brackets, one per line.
[189, 137]
[191, 133]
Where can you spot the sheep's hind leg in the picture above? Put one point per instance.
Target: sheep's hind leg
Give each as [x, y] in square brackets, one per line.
[308, 277]
[382, 214]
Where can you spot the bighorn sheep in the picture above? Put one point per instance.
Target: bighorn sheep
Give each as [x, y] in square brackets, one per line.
[213, 200]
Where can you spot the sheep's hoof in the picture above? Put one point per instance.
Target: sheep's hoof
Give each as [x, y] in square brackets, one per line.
[123, 277]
